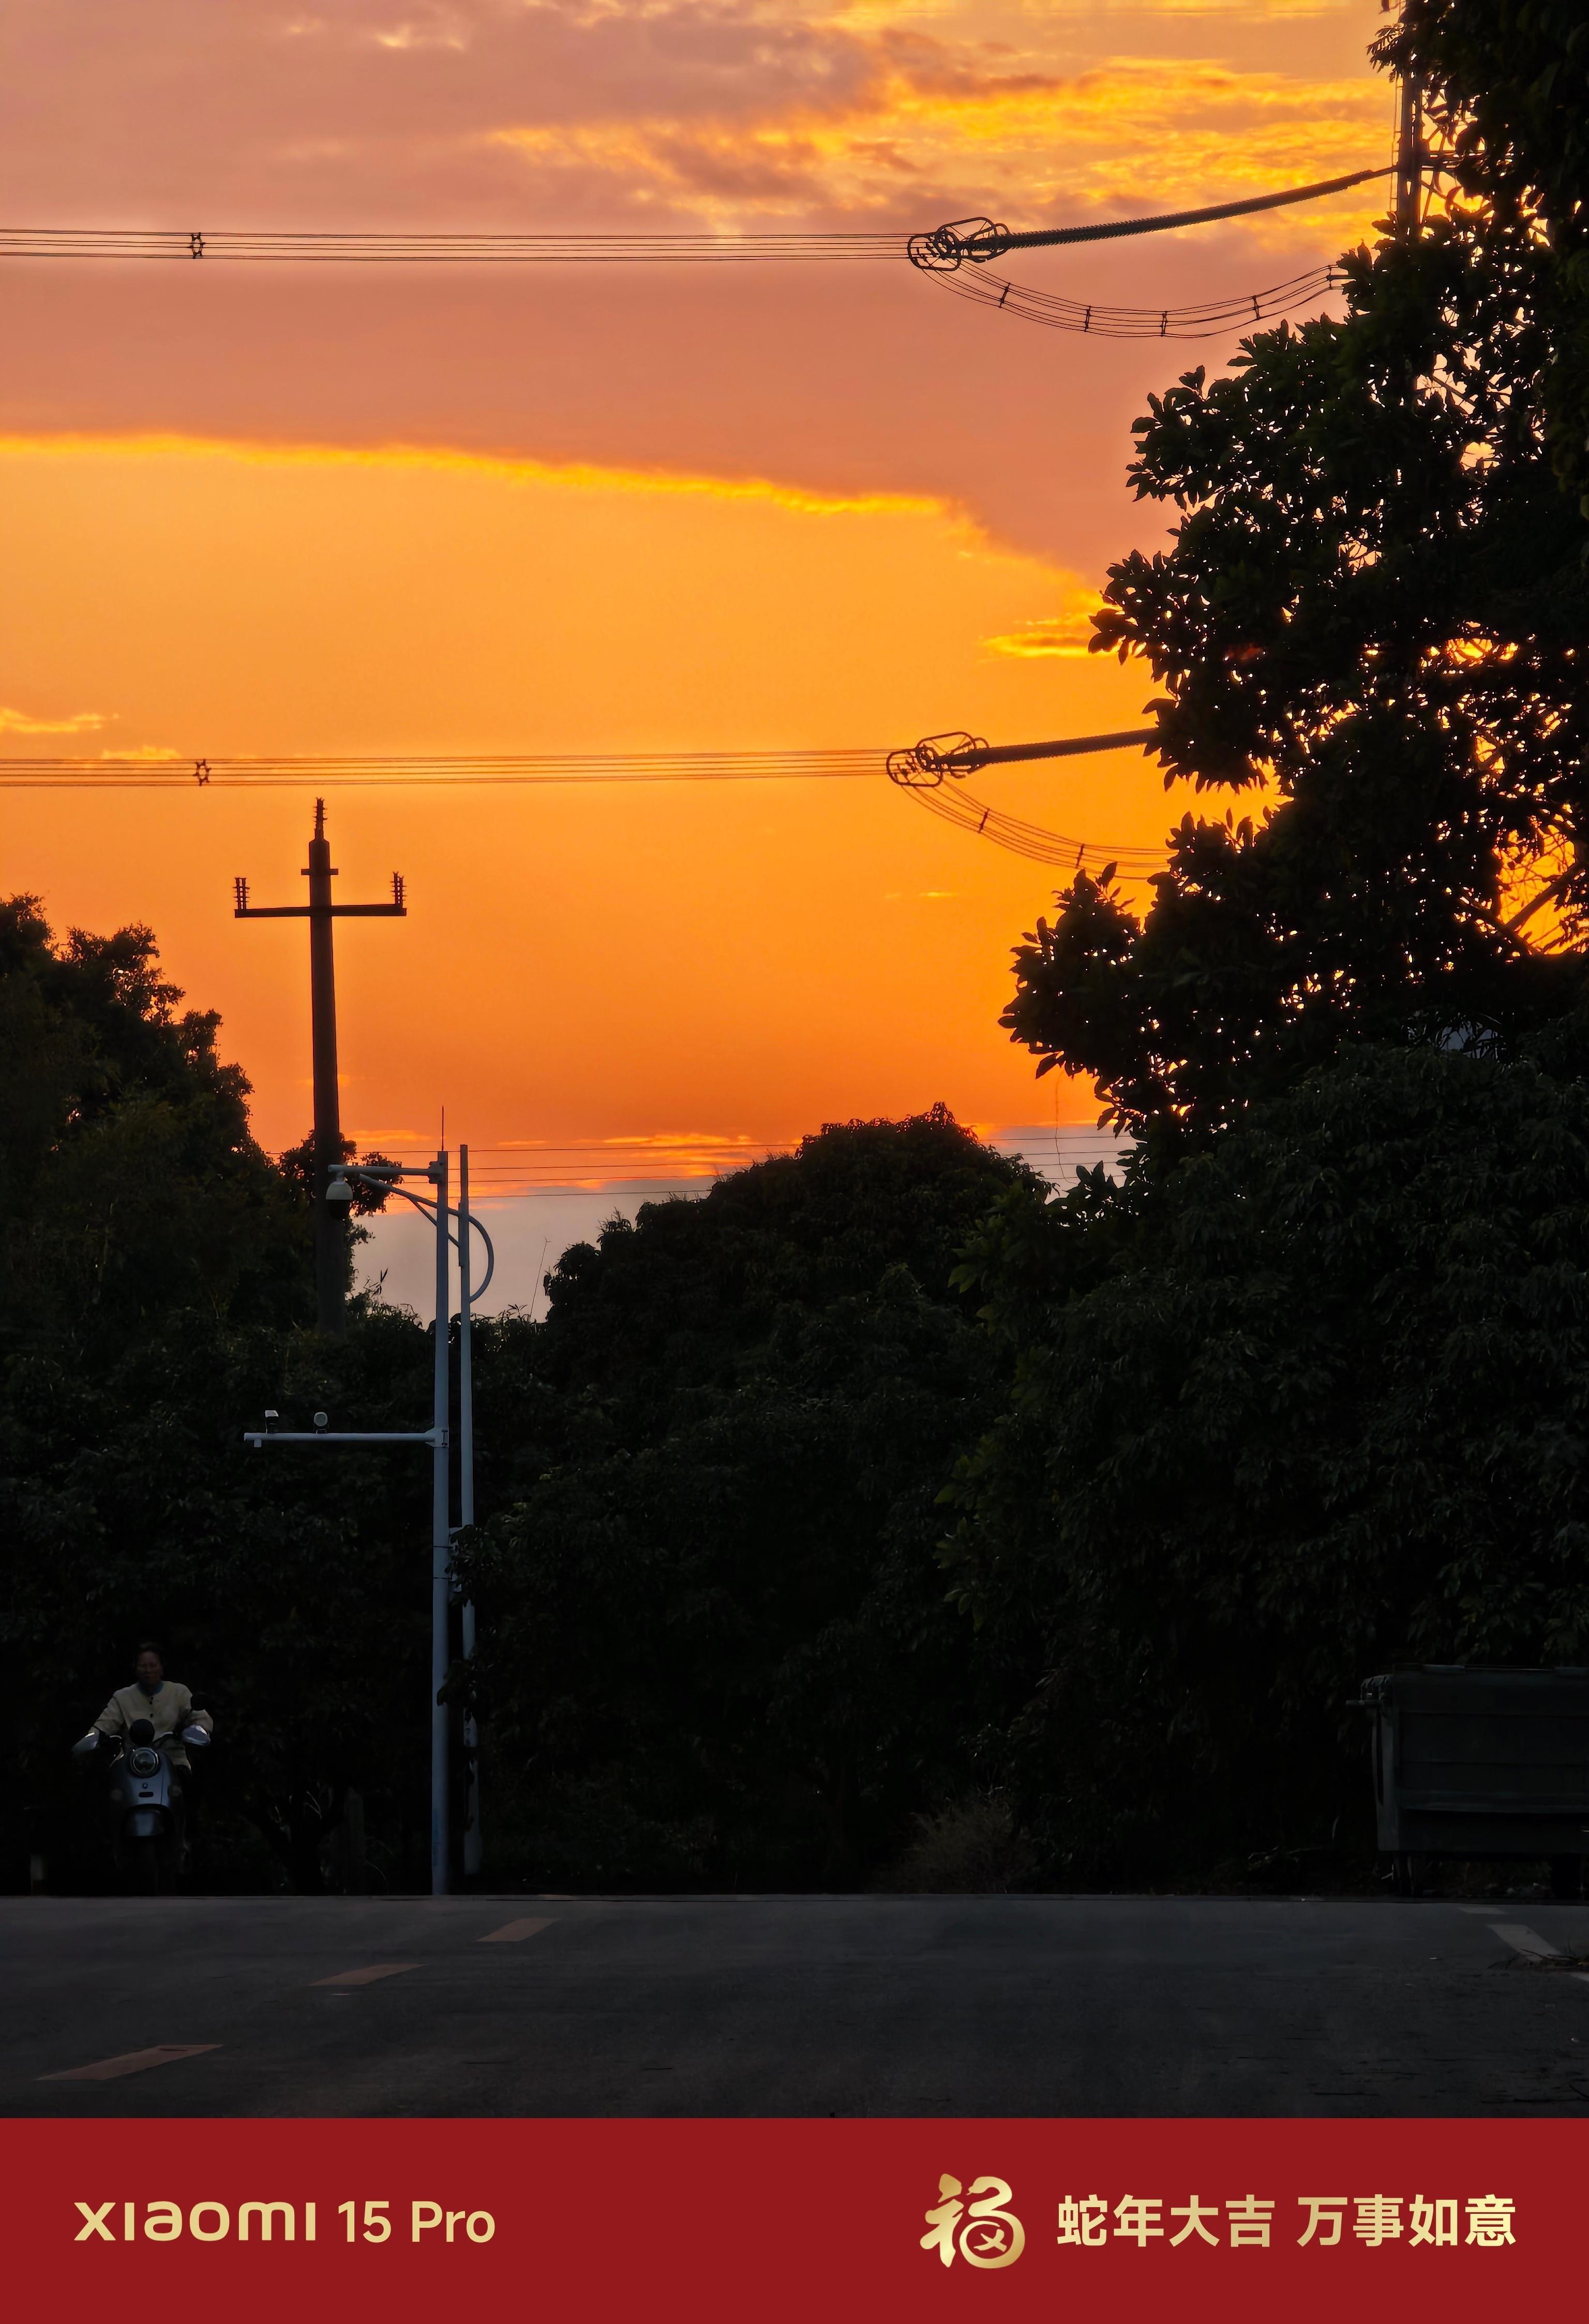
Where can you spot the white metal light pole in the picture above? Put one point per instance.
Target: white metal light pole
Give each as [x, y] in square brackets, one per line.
[440, 1556]
[473, 1854]
[438, 1436]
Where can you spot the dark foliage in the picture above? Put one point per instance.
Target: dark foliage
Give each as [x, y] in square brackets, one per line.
[1373, 622]
[1307, 1392]
[156, 1282]
[1316, 1400]
[129, 1182]
[1506, 88]
[717, 1647]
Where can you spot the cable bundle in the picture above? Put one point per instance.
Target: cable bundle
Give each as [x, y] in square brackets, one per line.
[1031, 840]
[410, 249]
[1204, 322]
[552, 767]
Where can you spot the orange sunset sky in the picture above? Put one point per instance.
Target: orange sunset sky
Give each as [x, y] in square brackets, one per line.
[350, 510]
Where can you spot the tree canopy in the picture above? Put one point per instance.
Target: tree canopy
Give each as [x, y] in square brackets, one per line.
[1369, 633]
[155, 1290]
[1316, 1400]
[715, 1642]
[1306, 1392]
[130, 1183]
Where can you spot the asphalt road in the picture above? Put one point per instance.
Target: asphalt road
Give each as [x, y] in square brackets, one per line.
[815, 2006]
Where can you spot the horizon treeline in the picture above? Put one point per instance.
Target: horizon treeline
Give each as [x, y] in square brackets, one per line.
[885, 1517]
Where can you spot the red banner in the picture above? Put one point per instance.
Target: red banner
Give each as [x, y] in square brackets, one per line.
[814, 2220]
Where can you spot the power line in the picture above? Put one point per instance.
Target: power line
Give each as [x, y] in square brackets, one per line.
[926, 763]
[1031, 840]
[921, 770]
[433, 249]
[1086, 318]
[945, 248]
[977, 240]
[287, 772]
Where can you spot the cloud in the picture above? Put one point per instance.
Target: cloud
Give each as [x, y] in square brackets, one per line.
[78, 722]
[569, 475]
[1063, 636]
[1249, 11]
[577, 114]
[584, 116]
[931, 131]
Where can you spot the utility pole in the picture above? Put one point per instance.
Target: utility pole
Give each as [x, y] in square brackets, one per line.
[330, 1221]
[1408, 215]
[1410, 180]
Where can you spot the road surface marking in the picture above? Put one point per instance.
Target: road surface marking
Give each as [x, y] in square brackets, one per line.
[367, 1975]
[1524, 1941]
[131, 2061]
[512, 1932]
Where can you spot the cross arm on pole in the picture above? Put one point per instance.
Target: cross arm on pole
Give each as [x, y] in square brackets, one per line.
[397, 909]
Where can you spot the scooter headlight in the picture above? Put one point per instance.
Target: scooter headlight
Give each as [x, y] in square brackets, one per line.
[141, 1760]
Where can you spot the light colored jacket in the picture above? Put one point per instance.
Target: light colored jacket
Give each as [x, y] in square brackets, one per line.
[170, 1707]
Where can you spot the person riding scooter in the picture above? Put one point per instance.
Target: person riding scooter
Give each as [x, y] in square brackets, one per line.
[168, 1706]
[144, 1729]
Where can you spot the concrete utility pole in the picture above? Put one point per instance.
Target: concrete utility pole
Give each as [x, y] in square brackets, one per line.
[1408, 216]
[331, 1221]
[1409, 177]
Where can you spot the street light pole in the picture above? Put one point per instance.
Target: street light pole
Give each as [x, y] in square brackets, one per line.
[440, 1557]
[439, 1437]
[472, 1842]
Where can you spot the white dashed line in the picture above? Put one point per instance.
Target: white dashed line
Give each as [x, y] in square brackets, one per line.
[131, 2061]
[1524, 1941]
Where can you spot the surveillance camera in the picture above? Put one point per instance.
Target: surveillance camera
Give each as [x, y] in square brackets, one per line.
[273, 1415]
[321, 1419]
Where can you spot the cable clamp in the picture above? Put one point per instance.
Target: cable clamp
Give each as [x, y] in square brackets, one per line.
[925, 764]
[940, 251]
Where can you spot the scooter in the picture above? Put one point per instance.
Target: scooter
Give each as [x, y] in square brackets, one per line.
[146, 1792]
